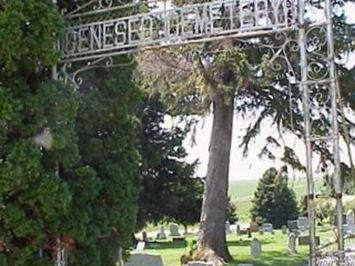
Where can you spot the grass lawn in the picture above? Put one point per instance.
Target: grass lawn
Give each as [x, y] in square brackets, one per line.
[273, 250]
[273, 246]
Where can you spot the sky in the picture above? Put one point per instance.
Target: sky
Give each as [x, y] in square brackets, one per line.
[251, 167]
[241, 168]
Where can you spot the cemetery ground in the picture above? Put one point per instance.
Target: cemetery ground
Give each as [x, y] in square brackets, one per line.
[273, 249]
[273, 246]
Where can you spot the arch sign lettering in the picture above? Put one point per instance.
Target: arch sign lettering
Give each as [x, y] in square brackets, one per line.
[103, 29]
[175, 26]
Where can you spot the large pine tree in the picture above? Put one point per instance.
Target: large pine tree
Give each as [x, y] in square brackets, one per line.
[274, 202]
[169, 190]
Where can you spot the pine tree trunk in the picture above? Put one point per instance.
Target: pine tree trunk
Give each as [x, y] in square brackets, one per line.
[212, 240]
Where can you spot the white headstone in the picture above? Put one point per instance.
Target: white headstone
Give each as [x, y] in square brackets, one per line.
[161, 234]
[350, 219]
[144, 259]
[228, 228]
[267, 227]
[349, 227]
[140, 246]
[284, 229]
[174, 230]
[291, 247]
[303, 224]
[255, 248]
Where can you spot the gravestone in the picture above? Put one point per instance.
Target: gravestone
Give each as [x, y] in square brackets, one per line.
[267, 228]
[284, 229]
[179, 240]
[292, 226]
[305, 240]
[238, 230]
[161, 234]
[291, 246]
[349, 227]
[255, 248]
[254, 227]
[336, 219]
[350, 219]
[199, 263]
[144, 259]
[174, 230]
[303, 224]
[228, 228]
[140, 246]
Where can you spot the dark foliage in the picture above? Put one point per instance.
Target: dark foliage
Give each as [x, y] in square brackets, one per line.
[169, 191]
[273, 201]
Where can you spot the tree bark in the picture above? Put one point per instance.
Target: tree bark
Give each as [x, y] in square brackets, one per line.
[212, 239]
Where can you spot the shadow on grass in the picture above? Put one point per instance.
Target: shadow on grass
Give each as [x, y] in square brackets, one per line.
[170, 245]
[165, 245]
[274, 258]
[246, 243]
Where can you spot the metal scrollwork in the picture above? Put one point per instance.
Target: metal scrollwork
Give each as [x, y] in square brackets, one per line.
[71, 72]
[317, 53]
[281, 48]
[90, 7]
[102, 4]
[320, 112]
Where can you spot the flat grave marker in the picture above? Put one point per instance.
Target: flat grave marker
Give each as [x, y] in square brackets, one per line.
[144, 259]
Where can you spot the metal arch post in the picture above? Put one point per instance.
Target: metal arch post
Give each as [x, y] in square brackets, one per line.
[307, 133]
[335, 132]
[54, 67]
[60, 256]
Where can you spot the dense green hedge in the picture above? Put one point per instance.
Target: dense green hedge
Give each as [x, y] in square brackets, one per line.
[83, 189]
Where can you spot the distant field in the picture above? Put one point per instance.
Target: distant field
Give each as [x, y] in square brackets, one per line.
[242, 192]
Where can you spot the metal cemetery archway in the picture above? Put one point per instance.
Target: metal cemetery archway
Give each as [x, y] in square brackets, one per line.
[97, 33]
